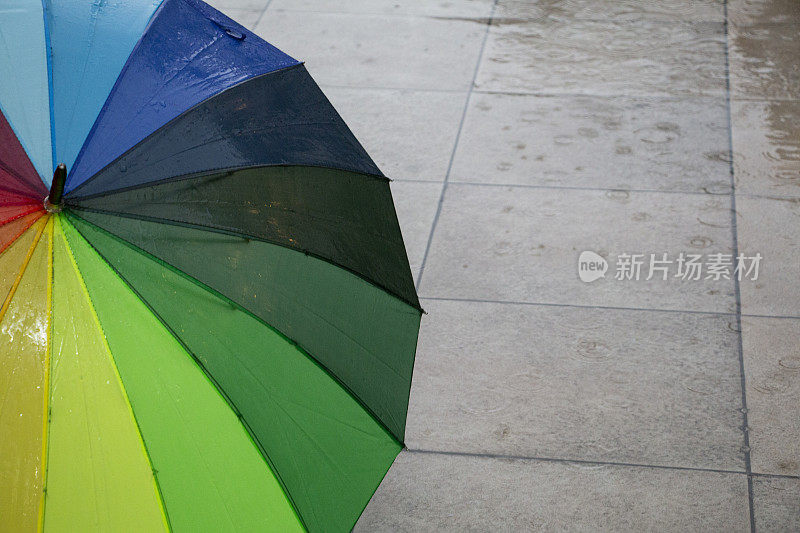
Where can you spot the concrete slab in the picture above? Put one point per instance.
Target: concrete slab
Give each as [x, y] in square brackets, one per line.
[604, 58]
[416, 205]
[376, 51]
[620, 10]
[766, 147]
[245, 17]
[777, 504]
[746, 12]
[409, 134]
[522, 244]
[574, 383]
[441, 8]
[763, 61]
[770, 227]
[430, 492]
[247, 5]
[615, 143]
[772, 366]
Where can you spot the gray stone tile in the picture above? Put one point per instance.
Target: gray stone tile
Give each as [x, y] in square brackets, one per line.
[227, 5]
[772, 366]
[416, 205]
[245, 17]
[763, 61]
[378, 51]
[766, 147]
[777, 504]
[520, 244]
[628, 143]
[745, 12]
[440, 8]
[409, 134]
[428, 492]
[770, 227]
[620, 10]
[574, 383]
[604, 58]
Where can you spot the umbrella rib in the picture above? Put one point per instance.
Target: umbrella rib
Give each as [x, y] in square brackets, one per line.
[226, 231]
[194, 357]
[234, 304]
[28, 193]
[111, 163]
[18, 279]
[213, 291]
[47, 372]
[210, 172]
[121, 384]
[33, 208]
[19, 234]
[24, 194]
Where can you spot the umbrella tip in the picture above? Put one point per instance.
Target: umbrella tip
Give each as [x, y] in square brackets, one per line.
[54, 201]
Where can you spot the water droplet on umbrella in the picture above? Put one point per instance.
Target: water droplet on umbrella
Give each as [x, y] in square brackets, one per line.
[235, 34]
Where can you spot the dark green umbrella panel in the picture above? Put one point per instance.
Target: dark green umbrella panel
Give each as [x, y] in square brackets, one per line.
[209, 324]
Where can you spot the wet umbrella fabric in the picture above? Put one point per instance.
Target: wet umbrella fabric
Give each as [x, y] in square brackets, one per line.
[215, 328]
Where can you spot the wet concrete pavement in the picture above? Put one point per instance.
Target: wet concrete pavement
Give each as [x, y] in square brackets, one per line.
[521, 133]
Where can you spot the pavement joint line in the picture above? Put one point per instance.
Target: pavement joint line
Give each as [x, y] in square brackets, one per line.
[781, 317]
[537, 94]
[384, 88]
[606, 96]
[534, 94]
[480, 455]
[566, 188]
[736, 286]
[544, 19]
[766, 99]
[605, 307]
[602, 189]
[579, 306]
[455, 145]
[473, 19]
[261, 16]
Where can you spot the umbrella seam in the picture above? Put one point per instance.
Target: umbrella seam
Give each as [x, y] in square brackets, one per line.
[129, 150]
[33, 209]
[124, 71]
[47, 369]
[154, 475]
[242, 308]
[250, 313]
[218, 170]
[15, 285]
[197, 361]
[233, 233]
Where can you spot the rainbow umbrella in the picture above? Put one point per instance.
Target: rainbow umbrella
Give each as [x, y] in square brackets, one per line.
[208, 320]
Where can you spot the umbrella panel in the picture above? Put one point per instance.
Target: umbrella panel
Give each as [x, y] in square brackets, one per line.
[280, 118]
[343, 217]
[167, 74]
[89, 43]
[24, 88]
[98, 472]
[330, 453]
[24, 323]
[328, 312]
[193, 439]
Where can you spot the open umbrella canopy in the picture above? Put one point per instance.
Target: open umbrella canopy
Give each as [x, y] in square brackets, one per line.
[208, 320]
